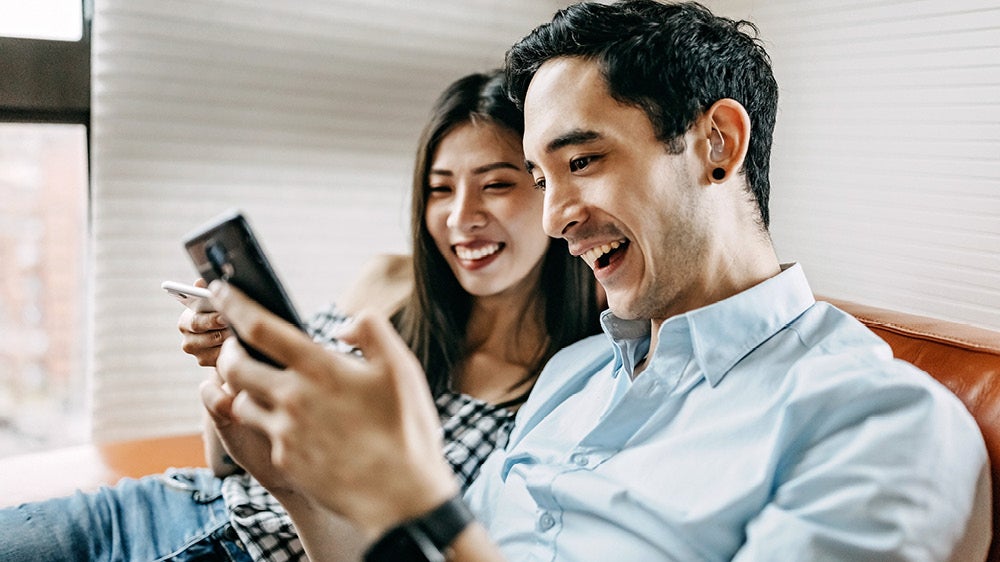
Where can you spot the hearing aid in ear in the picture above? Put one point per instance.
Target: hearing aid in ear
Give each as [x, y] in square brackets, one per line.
[718, 145]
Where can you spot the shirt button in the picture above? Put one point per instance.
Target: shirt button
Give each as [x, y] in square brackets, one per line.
[546, 522]
[580, 459]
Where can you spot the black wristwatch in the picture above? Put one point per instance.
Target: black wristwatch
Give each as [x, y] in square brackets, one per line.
[424, 538]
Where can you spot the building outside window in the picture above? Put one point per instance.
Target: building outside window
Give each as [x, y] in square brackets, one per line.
[44, 116]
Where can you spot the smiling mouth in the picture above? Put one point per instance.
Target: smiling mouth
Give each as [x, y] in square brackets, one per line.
[473, 254]
[600, 256]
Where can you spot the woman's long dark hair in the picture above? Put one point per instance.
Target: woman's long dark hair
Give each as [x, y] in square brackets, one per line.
[434, 320]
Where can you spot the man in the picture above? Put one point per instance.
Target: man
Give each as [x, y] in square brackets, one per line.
[730, 417]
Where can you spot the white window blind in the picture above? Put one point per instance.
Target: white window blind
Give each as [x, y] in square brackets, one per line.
[305, 114]
[886, 163]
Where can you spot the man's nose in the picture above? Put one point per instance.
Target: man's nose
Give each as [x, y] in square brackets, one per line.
[562, 210]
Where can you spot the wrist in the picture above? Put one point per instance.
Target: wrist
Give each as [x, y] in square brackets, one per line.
[428, 536]
[410, 498]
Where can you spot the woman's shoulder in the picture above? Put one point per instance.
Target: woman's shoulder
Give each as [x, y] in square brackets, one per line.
[382, 285]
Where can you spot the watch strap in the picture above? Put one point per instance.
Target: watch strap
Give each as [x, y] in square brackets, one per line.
[446, 521]
[425, 537]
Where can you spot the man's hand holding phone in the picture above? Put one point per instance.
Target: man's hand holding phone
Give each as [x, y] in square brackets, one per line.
[203, 330]
[361, 437]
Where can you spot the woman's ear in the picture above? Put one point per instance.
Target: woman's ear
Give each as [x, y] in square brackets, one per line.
[726, 129]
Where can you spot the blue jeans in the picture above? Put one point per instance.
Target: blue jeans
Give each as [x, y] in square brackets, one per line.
[178, 516]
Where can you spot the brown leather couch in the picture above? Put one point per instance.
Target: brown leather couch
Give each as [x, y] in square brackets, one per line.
[963, 358]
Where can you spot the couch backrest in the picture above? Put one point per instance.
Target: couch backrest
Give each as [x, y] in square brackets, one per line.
[964, 358]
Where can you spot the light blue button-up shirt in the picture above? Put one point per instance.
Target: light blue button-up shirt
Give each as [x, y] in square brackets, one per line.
[765, 427]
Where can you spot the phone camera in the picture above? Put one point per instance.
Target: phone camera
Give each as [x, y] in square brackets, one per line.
[215, 252]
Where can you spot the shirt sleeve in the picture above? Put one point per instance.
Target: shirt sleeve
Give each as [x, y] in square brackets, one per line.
[890, 475]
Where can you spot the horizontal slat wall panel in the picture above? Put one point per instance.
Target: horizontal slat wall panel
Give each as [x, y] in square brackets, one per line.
[886, 164]
[305, 114]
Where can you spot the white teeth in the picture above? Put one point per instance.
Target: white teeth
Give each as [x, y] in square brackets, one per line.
[478, 253]
[592, 255]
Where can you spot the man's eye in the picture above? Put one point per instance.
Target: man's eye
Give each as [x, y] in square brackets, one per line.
[577, 164]
[499, 185]
[540, 184]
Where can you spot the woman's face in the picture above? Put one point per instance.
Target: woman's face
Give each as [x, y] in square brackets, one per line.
[483, 210]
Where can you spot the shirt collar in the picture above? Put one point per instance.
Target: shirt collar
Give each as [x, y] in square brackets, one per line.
[718, 335]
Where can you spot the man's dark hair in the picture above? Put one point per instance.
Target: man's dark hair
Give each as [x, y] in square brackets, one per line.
[673, 61]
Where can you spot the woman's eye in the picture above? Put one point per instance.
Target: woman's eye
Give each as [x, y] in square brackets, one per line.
[499, 185]
[540, 184]
[439, 190]
[577, 164]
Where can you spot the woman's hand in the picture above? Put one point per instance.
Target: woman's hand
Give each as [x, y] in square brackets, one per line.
[244, 446]
[202, 333]
[361, 437]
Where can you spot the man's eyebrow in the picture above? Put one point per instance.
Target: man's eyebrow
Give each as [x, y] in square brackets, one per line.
[576, 136]
[571, 138]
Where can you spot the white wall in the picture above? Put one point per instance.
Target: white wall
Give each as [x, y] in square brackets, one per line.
[886, 163]
[305, 114]
[886, 167]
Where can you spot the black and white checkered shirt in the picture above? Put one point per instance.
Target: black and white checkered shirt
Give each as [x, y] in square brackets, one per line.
[471, 430]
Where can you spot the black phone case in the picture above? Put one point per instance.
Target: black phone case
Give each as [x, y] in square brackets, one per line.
[227, 249]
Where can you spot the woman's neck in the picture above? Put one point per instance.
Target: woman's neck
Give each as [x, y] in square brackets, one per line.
[505, 325]
[505, 338]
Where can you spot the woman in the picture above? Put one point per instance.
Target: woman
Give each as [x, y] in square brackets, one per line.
[492, 299]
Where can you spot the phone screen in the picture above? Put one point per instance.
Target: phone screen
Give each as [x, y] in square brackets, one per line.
[227, 249]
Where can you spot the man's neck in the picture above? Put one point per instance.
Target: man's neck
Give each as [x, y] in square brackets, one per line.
[726, 281]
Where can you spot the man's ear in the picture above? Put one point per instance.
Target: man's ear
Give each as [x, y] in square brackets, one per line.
[725, 126]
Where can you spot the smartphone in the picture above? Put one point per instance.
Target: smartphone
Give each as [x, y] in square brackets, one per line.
[226, 248]
[195, 298]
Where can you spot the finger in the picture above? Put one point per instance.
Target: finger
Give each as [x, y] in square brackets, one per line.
[194, 344]
[208, 357]
[199, 282]
[383, 347]
[207, 321]
[243, 373]
[266, 332]
[198, 322]
[217, 402]
[376, 338]
[251, 413]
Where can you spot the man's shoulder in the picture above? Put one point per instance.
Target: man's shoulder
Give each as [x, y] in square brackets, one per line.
[843, 361]
[835, 340]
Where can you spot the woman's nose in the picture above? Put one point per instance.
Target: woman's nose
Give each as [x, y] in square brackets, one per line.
[467, 212]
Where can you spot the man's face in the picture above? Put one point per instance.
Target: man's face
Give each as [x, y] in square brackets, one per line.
[634, 212]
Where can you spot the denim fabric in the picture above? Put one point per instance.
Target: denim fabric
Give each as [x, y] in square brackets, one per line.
[179, 516]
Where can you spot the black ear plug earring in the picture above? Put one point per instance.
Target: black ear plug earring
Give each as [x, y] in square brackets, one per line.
[718, 174]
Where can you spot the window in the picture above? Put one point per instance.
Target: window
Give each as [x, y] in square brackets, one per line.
[61, 20]
[44, 117]
[43, 183]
